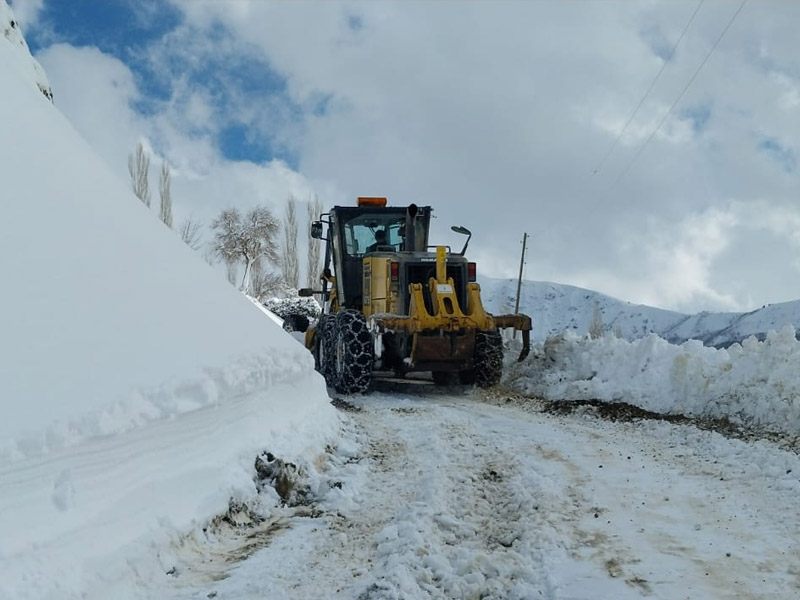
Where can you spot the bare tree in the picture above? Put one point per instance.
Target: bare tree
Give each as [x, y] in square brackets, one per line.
[228, 231]
[190, 233]
[246, 239]
[139, 169]
[291, 270]
[165, 212]
[258, 275]
[314, 214]
[266, 284]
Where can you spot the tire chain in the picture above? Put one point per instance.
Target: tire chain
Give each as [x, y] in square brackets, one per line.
[488, 358]
[353, 374]
[327, 366]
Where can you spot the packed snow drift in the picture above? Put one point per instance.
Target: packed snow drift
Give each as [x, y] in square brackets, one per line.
[754, 383]
[136, 386]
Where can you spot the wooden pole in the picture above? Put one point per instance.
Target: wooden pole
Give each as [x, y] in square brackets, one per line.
[521, 264]
[519, 279]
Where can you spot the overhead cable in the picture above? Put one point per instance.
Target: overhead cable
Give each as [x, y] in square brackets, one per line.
[649, 89]
[678, 99]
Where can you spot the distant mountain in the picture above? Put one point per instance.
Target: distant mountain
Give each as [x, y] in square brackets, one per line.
[555, 307]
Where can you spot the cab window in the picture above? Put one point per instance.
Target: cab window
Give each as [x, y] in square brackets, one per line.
[359, 233]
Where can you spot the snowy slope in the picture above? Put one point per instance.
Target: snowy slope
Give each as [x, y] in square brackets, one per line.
[722, 329]
[25, 65]
[556, 307]
[136, 385]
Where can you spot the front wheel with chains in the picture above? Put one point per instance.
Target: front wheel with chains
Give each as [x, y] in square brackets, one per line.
[352, 353]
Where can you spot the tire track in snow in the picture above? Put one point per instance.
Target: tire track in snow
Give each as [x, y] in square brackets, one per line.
[460, 534]
[446, 497]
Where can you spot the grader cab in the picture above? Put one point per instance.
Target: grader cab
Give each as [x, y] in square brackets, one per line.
[394, 304]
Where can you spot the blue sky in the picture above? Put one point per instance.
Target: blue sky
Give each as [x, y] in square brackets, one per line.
[114, 26]
[499, 114]
[129, 29]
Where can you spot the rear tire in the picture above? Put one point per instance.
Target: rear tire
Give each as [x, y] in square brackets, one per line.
[353, 353]
[467, 377]
[443, 378]
[295, 322]
[488, 360]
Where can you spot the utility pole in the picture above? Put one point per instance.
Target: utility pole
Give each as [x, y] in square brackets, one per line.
[519, 279]
[521, 264]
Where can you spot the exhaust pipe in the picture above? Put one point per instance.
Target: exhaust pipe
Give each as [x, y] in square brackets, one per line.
[411, 228]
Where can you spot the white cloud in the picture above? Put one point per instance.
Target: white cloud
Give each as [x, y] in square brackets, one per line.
[27, 12]
[684, 256]
[98, 92]
[720, 258]
[497, 114]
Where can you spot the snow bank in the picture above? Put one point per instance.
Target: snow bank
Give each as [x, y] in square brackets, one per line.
[103, 306]
[136, 385]
[755, 383]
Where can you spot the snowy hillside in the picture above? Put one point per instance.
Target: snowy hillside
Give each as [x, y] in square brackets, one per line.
[722, 329]
[555, 308]
[136, 386]
[18, 55]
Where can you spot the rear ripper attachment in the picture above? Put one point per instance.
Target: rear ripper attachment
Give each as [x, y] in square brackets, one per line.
[395, 304]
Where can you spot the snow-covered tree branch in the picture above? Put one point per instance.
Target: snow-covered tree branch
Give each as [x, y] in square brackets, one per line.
[139, 169]
[189, 231]
[291, 270]
[313, 266]
[165, 212]
[246, 238]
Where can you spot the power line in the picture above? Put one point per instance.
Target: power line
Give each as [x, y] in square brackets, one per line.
[678, 99]
[649, 89]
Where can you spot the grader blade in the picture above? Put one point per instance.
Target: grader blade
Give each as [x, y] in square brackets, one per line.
[521, 323]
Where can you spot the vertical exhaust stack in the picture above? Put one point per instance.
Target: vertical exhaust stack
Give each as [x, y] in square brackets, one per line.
[411, 228]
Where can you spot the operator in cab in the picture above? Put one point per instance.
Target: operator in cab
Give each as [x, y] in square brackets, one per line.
[380, 240]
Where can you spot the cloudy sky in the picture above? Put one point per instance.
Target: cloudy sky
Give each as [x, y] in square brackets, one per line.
[507, 117]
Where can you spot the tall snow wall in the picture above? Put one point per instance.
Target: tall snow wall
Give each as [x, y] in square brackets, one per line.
[136, 385]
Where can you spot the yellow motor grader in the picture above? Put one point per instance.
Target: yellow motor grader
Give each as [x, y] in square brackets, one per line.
[393, 304]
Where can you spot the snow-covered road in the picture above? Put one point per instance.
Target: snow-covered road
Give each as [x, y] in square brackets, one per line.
[469, 496]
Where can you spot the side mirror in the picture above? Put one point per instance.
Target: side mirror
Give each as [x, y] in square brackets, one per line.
[305, 292]
[463, 231]
[316, 230]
